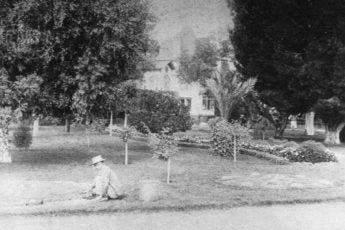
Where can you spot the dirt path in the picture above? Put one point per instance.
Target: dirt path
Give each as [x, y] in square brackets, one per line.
[290, 217]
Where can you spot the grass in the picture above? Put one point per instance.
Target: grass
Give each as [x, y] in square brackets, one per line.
[56, 169]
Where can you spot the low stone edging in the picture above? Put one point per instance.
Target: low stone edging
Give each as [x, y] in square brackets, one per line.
[193, 145]
[266, 156]
[254, 153]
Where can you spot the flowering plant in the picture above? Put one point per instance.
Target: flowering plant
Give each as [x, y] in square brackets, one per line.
[303, 153]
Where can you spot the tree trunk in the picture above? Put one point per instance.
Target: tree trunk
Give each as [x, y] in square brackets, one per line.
[126, 153]
[111, 123]
[280, 128]
[332, 133]
[309, 123]
[126, 120]
[68, 123]
[35, 127]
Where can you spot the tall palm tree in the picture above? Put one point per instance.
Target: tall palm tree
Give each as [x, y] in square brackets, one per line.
[228, 88]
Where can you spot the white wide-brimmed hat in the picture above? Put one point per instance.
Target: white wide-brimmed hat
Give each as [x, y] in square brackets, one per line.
[97, 159]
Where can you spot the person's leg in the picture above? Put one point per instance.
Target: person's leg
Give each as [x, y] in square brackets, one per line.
[99, 186]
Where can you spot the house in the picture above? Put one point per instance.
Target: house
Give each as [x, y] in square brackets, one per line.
[165, 77]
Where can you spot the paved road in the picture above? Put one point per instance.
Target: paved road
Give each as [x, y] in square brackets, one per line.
[327, 216]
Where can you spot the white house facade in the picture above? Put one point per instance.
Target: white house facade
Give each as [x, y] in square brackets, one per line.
[193, 95]
[165, 76]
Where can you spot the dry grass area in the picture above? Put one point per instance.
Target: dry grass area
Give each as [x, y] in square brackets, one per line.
[56, 169]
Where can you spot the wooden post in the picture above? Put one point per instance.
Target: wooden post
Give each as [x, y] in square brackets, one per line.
[88, 141]
[234, 149]
[111, 124]
[168, 171]
[126, 153]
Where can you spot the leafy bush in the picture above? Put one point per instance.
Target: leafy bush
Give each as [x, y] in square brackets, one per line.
[22, 136]
[158, 110]
[225, 135]
[98, 125]
[262, 129]
[309, 151]
[316, 146]
[163, 145]
[291, 144]
[274, 141]
[47, 121]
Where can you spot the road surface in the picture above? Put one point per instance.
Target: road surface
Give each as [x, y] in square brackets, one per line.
[326, 216]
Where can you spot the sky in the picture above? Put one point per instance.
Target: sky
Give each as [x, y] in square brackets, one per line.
[205, 17]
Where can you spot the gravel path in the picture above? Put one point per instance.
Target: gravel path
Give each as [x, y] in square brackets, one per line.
[289, 217]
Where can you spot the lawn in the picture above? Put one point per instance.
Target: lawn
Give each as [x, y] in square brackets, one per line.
[56, 169]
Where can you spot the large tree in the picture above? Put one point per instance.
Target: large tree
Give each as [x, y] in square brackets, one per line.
[282, 43]
[79, 48]
[211, 66]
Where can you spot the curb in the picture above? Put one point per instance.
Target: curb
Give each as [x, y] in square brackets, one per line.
[190, 207]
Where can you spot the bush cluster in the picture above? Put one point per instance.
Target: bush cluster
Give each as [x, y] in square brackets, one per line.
[225, 135]
[309, 151]
[163, 145]
[22, 136]
[158, 110]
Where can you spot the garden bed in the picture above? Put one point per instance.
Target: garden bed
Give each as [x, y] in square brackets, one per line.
[195, 174]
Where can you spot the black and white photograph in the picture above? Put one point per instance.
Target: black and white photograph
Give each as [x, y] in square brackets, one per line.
[172, 114]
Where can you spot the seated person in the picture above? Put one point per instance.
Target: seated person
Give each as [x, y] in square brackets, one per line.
[106, 185]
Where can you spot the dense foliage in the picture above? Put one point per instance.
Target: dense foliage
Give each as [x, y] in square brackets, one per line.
[294, 47]
[228, 137]
[160, 110]
[309, 151]
[22, 136]
[163, 144]
[77, 48]
[211, 66]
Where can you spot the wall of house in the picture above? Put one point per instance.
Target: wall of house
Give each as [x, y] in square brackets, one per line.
[169, 81]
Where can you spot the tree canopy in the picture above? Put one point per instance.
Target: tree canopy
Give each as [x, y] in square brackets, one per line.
[210, 65]
[78, 48]
[294, 47]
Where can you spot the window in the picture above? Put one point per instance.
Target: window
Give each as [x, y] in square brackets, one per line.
[187, 102]
[207, 102]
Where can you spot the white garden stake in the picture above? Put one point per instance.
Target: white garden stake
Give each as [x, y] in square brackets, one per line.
[126, 153]
[168, 174]
[111, 124]
[126, 142]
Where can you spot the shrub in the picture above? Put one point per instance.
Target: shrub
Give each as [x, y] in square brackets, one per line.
[314, 152]
[158, 110]
[98, 125]
[274, 141]
[316, 146]
[163, 145]
[308, 151]
[263, 129]
[291, 144]
[22, 136]
[225, 135]
[47, 121]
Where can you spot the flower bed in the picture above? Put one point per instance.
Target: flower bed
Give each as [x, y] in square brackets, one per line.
[310, 152]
